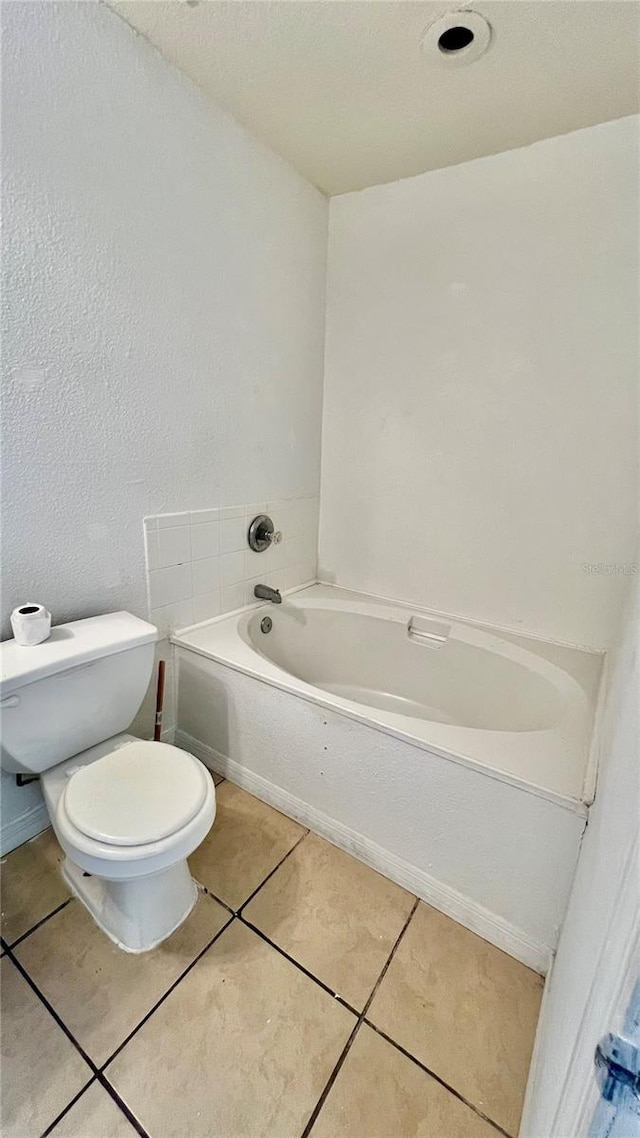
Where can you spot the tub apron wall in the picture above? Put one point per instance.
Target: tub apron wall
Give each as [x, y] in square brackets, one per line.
[496, 857]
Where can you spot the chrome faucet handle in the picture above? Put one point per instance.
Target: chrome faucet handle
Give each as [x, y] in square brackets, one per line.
[262, 533]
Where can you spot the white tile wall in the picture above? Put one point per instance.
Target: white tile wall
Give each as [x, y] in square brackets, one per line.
[199, 563]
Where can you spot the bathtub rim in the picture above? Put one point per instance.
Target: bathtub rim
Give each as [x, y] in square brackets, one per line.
[285, 681]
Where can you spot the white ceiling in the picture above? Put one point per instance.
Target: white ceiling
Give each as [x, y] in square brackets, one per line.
[342, 90]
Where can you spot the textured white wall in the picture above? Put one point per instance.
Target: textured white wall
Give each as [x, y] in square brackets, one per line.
[582, 969]
[481, 386]
[163, 309]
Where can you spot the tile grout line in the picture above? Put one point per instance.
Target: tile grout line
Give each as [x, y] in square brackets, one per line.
[101, 1081]
[390, 958]
[128, 1113]
[437, 1078]
[362, 1016]
[218, 900]
[98, 1073]
[402, 1049]
[301, 968]
[234, 915]
[41, 922]
[331, 1080]
[349, 1044]
[238, 912]
[58, 1118]
[237, 915]
[52, 1012]
[100, 1070]
[274, 870]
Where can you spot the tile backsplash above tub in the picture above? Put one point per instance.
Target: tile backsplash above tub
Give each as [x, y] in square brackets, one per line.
[199, 563]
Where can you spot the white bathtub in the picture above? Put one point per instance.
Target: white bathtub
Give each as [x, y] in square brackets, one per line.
[453, 758]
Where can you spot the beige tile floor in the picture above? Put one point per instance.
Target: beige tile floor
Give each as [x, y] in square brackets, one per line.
[305, 995]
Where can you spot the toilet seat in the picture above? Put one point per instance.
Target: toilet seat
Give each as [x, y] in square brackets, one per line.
[138, 794]
[120, 862]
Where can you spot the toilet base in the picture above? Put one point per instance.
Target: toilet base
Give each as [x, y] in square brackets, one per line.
[140, 913]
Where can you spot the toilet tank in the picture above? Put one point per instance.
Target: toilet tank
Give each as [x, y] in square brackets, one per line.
[78, 688]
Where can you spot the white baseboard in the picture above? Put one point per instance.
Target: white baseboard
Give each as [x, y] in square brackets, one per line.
[19, 830]
[465, 911]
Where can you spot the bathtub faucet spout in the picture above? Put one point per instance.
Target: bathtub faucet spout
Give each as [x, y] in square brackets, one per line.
[266, 593]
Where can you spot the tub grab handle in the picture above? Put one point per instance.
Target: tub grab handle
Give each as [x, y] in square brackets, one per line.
[431, 633]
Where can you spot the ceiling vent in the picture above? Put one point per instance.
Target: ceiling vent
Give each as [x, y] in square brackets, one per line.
[456, 39]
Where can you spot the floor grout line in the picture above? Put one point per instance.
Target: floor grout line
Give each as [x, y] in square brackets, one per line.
[390, 958]
[331, 1080]
[126, 1110]
[274, 870]
[349, 1044]
[237, 912]
[215, 898]
[102, 1081]
[98, 1072]
[67, 1108]
[41, 922]
[361, 1017]
[164, 996]
[301, 968]
[52, 1012]
[438, 1078]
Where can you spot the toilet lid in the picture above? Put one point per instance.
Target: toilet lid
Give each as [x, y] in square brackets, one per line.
[139, 793]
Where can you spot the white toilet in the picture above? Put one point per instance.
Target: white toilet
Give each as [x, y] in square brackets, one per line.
[127, 813]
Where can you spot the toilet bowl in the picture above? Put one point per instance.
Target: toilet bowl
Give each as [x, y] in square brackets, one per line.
[128, 814]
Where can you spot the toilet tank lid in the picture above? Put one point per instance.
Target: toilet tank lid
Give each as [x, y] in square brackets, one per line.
[71, 645]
